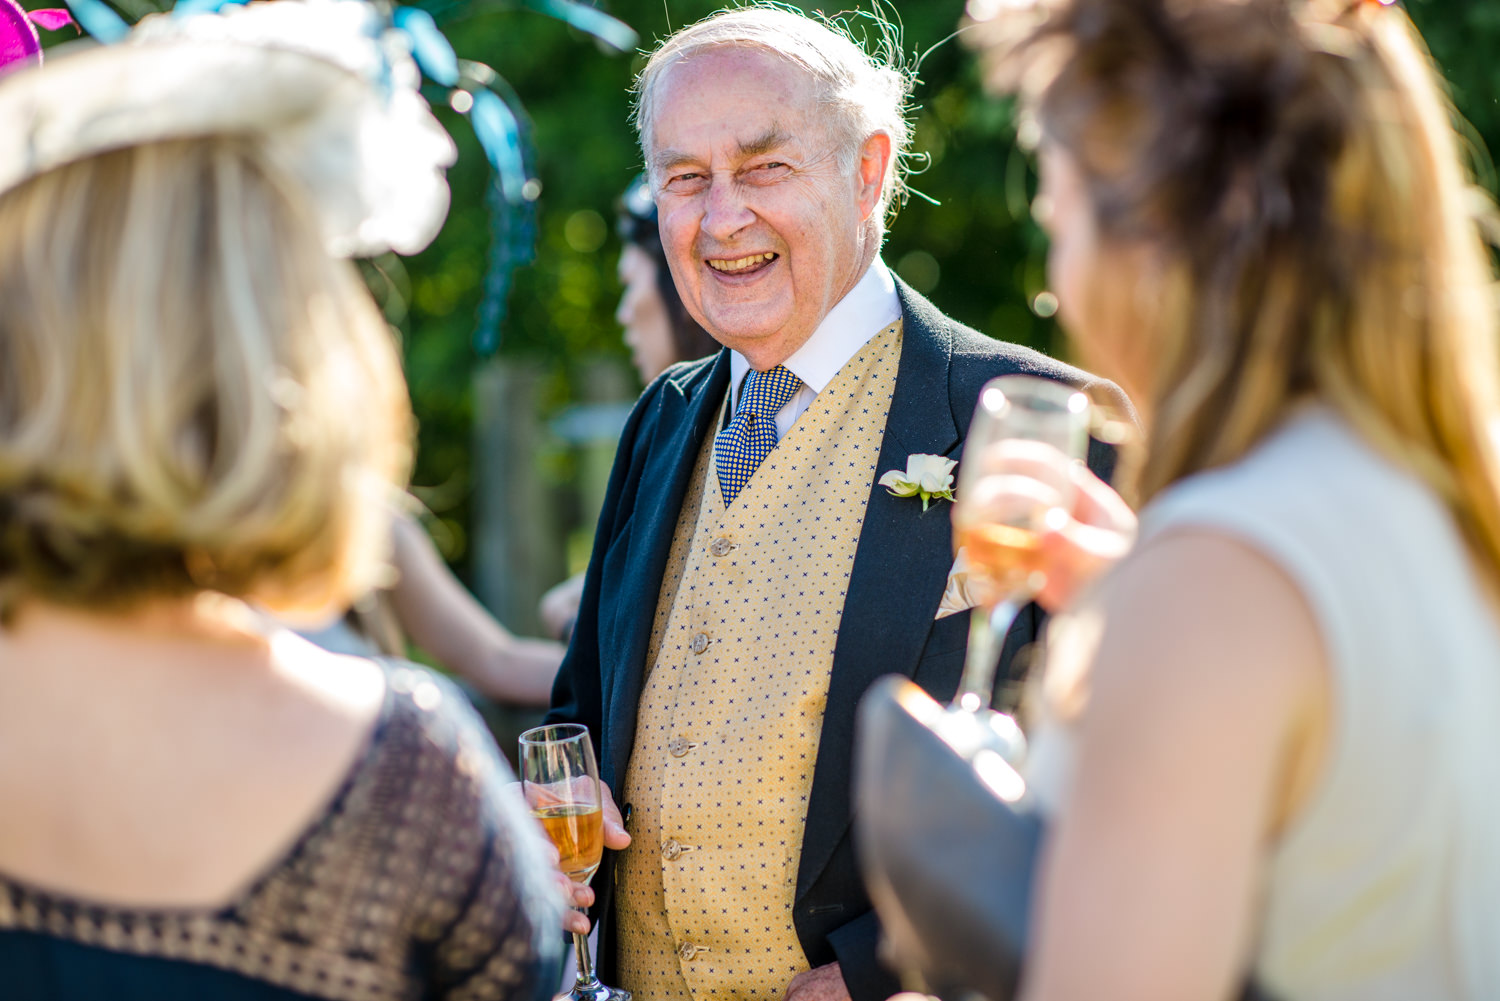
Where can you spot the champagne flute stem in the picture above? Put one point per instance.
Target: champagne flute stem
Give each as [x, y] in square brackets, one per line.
[586, 976]
[987, 633]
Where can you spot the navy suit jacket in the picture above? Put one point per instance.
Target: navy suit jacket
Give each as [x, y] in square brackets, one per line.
[888, 626]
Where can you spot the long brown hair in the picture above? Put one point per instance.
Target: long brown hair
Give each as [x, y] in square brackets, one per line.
[1294, 167]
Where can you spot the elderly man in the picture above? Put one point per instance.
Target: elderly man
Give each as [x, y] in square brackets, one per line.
[749, 578]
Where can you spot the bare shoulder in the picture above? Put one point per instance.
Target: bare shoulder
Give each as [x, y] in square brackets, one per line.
[1197, 620]
[1207, 645]
[352, 688]
[178, 712]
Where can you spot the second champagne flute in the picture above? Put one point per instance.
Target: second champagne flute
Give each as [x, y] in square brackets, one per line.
[1014, 473]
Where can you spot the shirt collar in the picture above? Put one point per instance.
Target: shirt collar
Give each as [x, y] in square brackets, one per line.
[870, 307]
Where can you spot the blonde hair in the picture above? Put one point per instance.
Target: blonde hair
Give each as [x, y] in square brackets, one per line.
[193, 394]
[865, 94]
[1294, 167]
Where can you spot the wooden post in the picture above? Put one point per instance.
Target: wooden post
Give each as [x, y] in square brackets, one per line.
[604, 382]
[518, 553]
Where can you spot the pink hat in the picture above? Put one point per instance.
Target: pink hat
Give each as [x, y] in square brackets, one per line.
[18, 39]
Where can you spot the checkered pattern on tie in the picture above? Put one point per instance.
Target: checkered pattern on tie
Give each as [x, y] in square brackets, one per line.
[749, 438]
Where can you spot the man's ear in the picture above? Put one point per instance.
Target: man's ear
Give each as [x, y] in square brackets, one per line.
[874, 161]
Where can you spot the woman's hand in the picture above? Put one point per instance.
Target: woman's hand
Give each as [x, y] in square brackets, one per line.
[1084, 540]
[1083, 526]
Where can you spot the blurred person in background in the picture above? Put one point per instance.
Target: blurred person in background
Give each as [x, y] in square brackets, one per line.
[429, 607]
[1269, 739]
[200, 408]
[659, 331]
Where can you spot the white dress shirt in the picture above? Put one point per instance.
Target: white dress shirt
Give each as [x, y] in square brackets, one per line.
[870, 307]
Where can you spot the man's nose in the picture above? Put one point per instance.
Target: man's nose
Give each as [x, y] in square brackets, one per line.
[727, 210]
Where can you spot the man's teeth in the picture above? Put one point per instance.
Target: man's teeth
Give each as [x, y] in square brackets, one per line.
[741, 264]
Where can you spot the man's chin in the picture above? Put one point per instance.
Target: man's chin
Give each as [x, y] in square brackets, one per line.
[764, 349]
[741, 329]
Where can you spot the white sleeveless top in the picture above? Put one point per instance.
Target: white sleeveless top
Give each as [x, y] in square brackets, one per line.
[1387, 885]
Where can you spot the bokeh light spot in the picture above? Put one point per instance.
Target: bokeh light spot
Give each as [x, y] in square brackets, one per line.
[1044, 305]
[920, 270]
[585, 231]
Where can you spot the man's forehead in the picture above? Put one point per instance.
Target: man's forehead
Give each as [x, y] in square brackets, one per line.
[705, 78]
[736, 58]
[731, 102]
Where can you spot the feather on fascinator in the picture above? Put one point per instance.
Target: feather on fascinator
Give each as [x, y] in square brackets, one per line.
[19, 43]
[18, 39]
[328, 90]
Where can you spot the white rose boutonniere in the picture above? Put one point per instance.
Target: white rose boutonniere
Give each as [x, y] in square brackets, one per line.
[927, 476]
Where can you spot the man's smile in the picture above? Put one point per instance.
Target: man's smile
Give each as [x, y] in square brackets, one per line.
[741, 265]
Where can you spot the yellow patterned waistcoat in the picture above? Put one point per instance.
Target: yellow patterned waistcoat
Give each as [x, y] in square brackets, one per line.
[728, 725]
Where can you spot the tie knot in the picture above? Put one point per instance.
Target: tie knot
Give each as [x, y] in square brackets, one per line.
[767, 392]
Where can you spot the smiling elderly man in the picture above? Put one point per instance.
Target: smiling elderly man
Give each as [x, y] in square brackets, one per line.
[750, 579]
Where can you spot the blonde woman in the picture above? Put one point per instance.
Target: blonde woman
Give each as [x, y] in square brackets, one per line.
[1269, 739]
[200, 408]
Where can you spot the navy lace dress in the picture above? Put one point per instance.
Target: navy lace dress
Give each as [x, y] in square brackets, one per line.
[423, 879]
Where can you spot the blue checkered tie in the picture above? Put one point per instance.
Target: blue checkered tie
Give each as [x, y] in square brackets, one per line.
[749, 438]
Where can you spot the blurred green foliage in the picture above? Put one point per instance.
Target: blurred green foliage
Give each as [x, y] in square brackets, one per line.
[976, 252]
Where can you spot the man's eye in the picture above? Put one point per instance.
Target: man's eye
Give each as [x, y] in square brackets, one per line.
[766, 173]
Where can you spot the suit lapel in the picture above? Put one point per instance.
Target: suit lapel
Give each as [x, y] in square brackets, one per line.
[687, 412]
[899, 572]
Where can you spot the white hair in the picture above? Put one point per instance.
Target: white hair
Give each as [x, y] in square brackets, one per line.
[865, 93]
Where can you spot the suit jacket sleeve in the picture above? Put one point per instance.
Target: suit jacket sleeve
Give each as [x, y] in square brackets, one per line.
[856, 944]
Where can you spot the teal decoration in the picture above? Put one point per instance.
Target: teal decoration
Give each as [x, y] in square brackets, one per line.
[611, 31]
[187, 8]
[498, 130]
[433, 55]
[99, 19]
[512, 245]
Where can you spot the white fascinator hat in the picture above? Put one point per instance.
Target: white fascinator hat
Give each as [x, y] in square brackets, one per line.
[324, 86]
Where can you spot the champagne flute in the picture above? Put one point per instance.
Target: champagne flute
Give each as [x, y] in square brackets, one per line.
[561, 783]
[1013, 476]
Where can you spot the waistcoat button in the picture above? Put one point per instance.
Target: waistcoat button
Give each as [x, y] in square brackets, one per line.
[688, 950]
[677, 746]
[671, 850]
[721, 547]
[699, 643]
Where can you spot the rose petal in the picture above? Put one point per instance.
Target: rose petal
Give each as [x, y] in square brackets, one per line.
[898, 485]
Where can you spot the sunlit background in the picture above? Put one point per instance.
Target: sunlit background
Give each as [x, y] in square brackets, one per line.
[515, 448]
